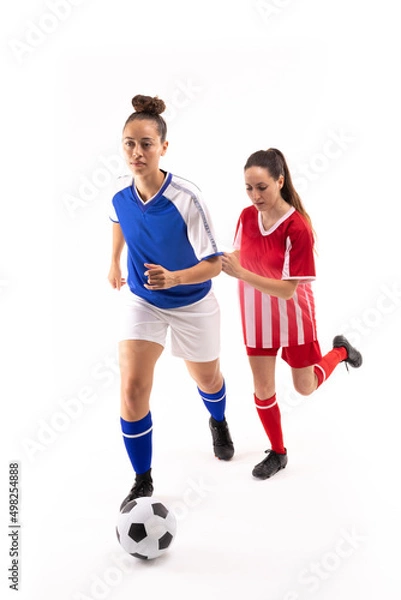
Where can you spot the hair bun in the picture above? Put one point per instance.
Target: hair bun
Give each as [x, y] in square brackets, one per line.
[147, 104]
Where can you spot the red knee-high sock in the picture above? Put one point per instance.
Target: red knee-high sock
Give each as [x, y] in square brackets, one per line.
[269, 414]
[326, 366]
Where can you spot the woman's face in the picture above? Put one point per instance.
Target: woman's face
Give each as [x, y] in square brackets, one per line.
[142, 147]
[262, 189]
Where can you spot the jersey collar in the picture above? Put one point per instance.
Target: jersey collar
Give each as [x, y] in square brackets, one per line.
[264, 231]
[145, 205]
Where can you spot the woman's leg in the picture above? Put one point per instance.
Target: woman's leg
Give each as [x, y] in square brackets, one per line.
[264, 379]
[137, 362]
[210, 382]
[263, 371]
[212, 389]
[305, 380]
[308, 379]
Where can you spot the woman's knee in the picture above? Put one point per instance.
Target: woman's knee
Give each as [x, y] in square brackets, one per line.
[210, 383]
[304, 380]
[305, 387]
[207, 376]
[135, 394]
[263, 392]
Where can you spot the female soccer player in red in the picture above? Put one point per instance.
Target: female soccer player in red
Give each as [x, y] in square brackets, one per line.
[172, 256]
[274, 262]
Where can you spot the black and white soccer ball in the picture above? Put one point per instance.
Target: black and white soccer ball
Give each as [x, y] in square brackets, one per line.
[146, 528]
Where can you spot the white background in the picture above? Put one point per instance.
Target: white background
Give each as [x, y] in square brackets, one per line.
[236, 77]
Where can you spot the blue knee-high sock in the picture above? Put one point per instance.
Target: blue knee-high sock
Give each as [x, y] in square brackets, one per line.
[137, 436]
[215, 403]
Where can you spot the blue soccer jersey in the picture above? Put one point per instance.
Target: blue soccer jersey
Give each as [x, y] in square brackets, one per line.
[173, 229]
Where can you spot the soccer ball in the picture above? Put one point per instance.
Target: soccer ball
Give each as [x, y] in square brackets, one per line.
[146, 528]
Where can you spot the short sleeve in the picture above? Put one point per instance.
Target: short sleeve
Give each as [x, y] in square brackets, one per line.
[112, 212]
[122, 182]
[299, 262]
[200, 230]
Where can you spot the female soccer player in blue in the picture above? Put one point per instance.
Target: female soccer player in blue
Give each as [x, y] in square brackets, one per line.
[172, 257]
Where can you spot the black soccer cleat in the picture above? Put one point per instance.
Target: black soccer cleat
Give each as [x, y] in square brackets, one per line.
[270, 465]
[143, 486]
[222, 443]
[354, 357]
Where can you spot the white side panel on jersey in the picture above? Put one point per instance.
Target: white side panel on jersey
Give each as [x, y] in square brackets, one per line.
[121, 183]
[286, 265]
[238, 237]
[285, 274]
[187, 200]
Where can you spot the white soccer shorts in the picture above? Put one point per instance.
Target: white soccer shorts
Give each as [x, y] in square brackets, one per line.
[194, 329]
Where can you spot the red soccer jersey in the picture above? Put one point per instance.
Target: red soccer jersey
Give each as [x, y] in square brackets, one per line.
[285, 251]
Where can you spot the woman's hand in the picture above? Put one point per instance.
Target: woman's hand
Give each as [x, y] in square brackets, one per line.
[274, 287]
[231, 264]
[159, 278]
[114, 277]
